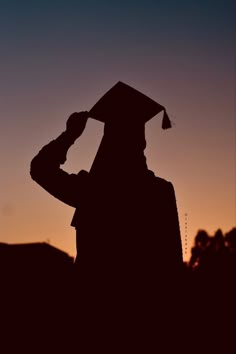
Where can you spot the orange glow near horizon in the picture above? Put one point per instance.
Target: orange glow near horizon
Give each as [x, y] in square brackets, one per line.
[38, 217]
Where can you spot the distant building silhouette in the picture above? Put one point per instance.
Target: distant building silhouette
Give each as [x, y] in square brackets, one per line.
[31, 257]
[36, 296]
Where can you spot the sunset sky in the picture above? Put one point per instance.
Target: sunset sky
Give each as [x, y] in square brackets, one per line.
[58, 57]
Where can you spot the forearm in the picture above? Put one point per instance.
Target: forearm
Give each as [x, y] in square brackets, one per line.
[51, 156]
[45, 166]
[45, 169]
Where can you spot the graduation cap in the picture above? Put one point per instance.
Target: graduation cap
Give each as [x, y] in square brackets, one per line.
[125, 101]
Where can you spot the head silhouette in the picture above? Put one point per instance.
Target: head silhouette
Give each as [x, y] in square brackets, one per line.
[124, 110]
[122, 149]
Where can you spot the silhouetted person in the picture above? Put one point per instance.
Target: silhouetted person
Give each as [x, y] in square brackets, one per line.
[129, 255]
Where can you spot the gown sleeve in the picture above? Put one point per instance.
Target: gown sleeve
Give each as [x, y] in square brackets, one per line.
[45, 170]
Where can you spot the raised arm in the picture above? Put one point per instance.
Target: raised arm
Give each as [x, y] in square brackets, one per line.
[45, 166]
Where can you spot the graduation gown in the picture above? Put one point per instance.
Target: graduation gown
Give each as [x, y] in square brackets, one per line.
[129, 255]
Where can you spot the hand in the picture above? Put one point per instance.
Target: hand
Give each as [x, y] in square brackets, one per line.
[76, 123]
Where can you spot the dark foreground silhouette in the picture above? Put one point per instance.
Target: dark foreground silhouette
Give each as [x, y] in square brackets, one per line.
[128, 290]
[211, 281]
[127, 227]
[38, 303]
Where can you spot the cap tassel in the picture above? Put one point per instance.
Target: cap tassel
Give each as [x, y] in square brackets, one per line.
[166, 123]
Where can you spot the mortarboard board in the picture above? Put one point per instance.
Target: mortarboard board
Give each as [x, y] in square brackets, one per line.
[125, 101]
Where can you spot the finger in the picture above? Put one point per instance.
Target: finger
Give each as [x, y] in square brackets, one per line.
[83, 114]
